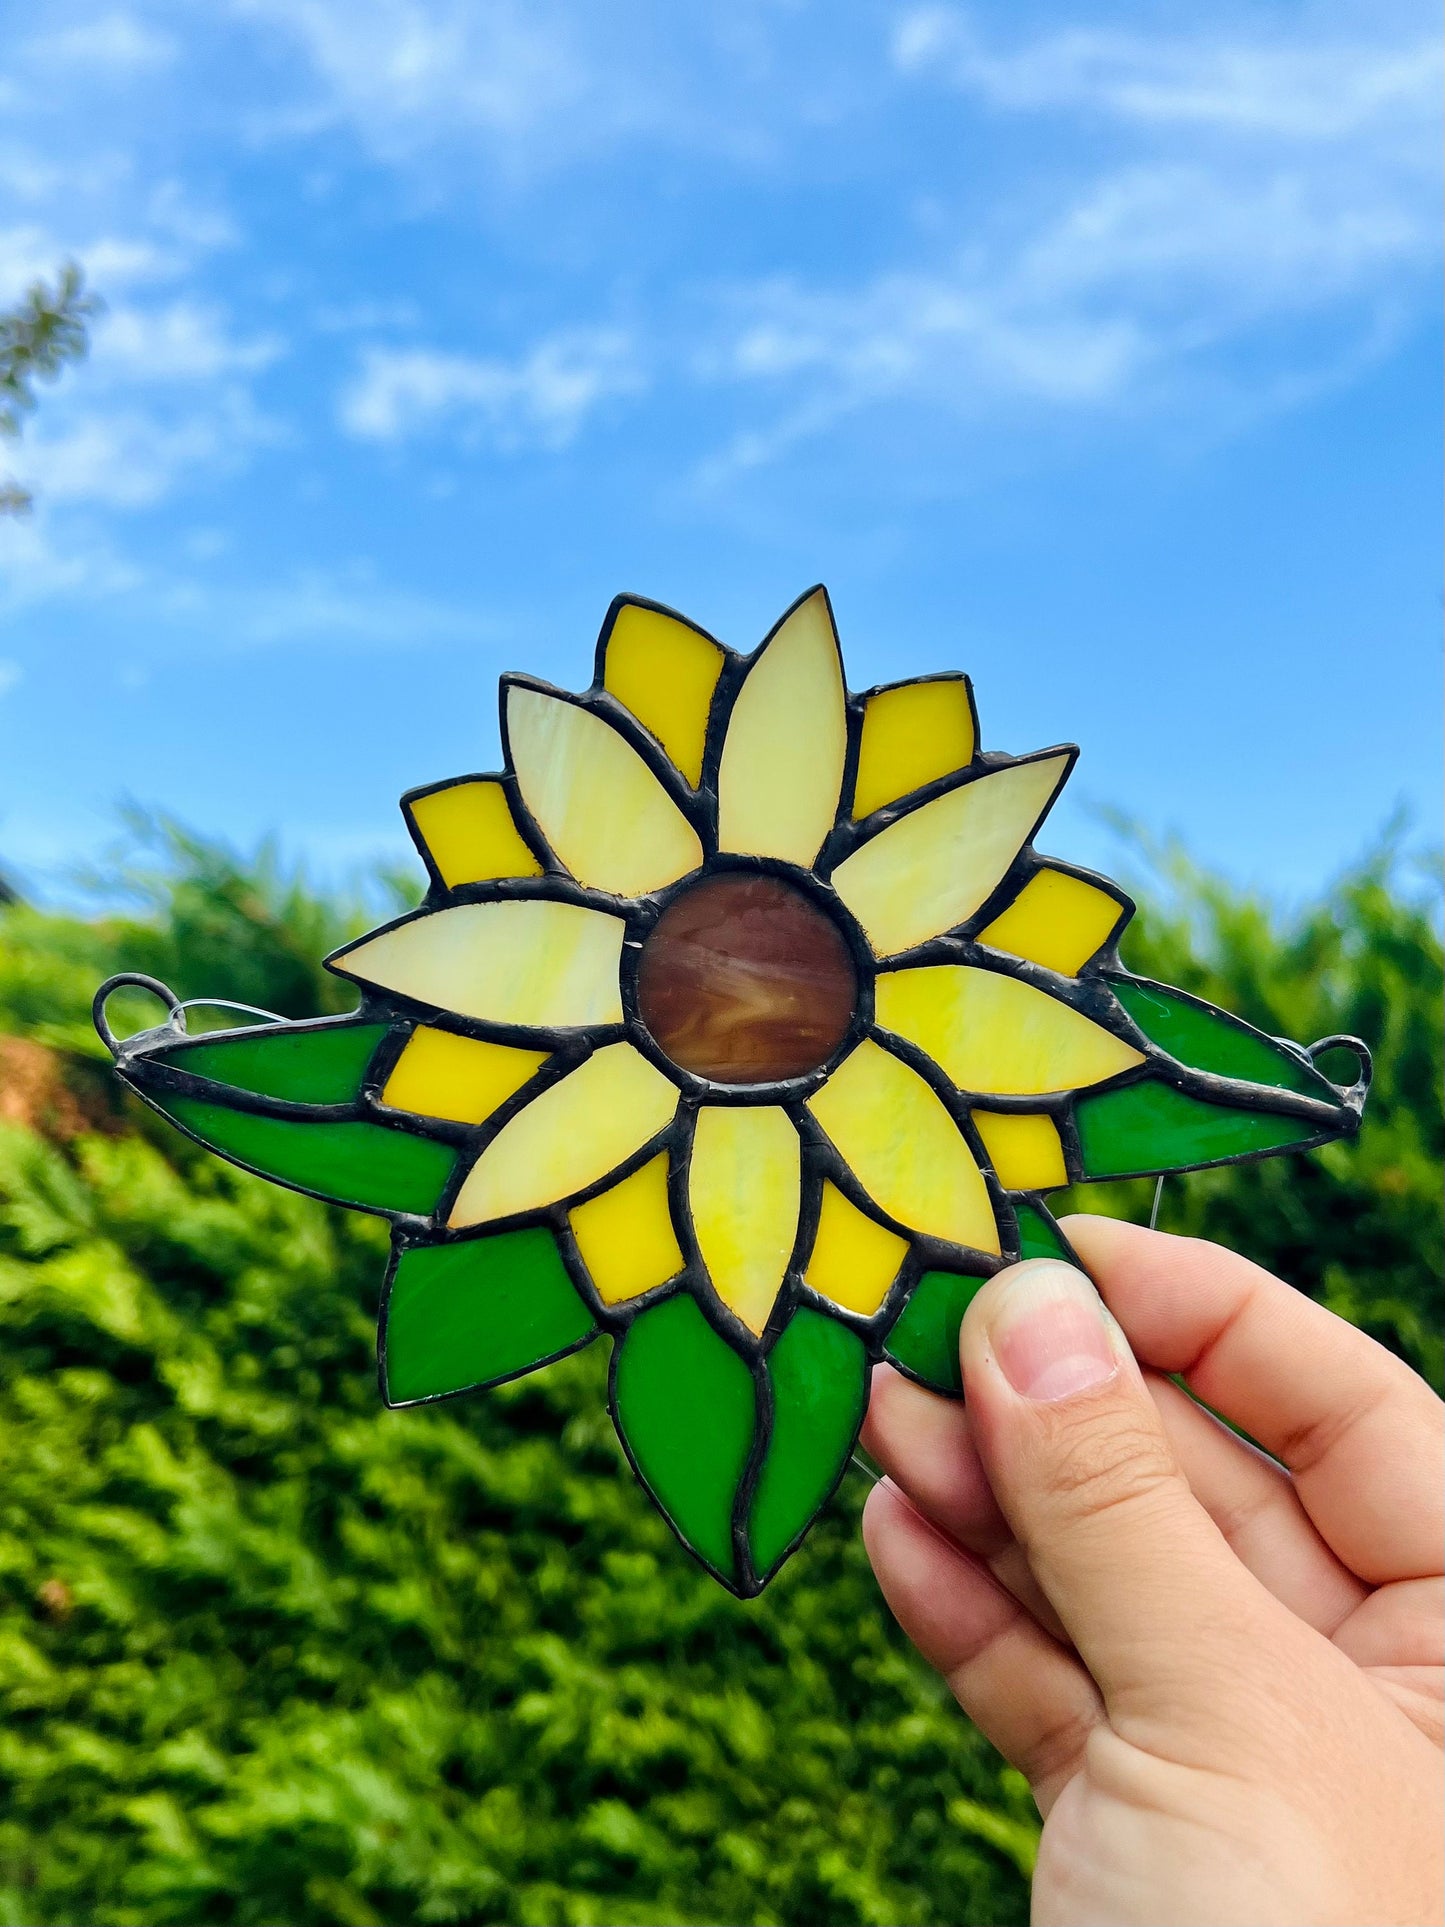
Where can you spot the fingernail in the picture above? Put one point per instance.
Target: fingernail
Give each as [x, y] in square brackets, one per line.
[1050, 1331]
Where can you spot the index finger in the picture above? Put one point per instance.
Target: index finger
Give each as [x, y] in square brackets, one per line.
[1363, 1435]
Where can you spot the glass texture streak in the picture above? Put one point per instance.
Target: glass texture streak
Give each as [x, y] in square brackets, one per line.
[465, 1315]
[1057, 920]
[925, 1339]
[744, 981]
[625, 1235]
[744, 1189]
[363, 1164]
[469, 832]
[1152, 1127]
[819, 1371]
[302, 1066]
[686, 1409]
[1207, 1041]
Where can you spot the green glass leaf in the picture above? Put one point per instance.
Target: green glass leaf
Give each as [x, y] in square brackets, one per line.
[686, 1408]
[1150, 1127]
[1040, 1237]
[461, 1316]
[1206, 1039]
[925, 1339]
[819, 1371]
[323, 1065]
[359, 1164]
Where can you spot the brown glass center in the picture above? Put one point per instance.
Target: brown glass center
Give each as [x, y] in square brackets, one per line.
[744, 981]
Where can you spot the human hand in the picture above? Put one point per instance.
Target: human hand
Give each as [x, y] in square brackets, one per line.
[1221, 1678]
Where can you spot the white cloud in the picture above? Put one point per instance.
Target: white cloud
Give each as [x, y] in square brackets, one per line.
[541, 399]
[10, 674]
[405, 71]
[122, 456]
[115, 42]
[1259, 184]
[1307, 88]
[183, 341]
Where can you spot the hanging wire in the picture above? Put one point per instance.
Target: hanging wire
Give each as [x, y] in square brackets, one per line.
[1158, 1194]
[226, 1003]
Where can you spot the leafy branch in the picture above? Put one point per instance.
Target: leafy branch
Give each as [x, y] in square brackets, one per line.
[48, 328]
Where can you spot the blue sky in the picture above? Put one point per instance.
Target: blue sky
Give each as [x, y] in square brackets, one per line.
[1089, 348]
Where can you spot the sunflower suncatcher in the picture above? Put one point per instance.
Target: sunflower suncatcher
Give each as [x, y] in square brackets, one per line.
[742, 1022]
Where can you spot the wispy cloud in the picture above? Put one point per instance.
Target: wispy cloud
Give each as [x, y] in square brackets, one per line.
[115, 43]
[1308, 87]
[541, 399]
[1260, 184]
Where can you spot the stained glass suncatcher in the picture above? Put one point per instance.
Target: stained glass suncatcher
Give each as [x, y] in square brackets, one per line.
[743, 1023]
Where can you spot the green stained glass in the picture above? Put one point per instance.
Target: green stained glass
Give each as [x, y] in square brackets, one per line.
[461, 1316]
[1208, 1040]
[819, 1371]
[1151, 1127]
[925, 1339]
[1040, 1237]
[686, 1409]
[361, 1164]
[324, 1066]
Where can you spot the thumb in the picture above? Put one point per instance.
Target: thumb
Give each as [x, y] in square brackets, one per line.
[1143, 1581]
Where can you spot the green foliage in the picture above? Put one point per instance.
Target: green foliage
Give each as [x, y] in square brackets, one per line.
[270, 1652]
[47, 329]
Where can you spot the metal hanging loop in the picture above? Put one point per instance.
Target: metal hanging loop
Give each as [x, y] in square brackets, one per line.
[135, 980]
[1351, 1096]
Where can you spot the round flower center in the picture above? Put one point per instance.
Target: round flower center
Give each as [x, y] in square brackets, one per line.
[744, 980]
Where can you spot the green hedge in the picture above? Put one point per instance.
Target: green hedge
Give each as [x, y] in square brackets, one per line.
[270, 1654]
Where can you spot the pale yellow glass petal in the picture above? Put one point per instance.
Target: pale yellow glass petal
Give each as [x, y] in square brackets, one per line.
[469, 833]
[1056, 920]
[854, 1260]
[933, 868]
[442, 1075]
[744, 1191]
[904, 1148]
[625, 1235]
[990, 1032]
[568, 1137]
[529, 962]
[782, 760]
[1025, 1150]
[665, 672]
[911, 735]
[597, 803]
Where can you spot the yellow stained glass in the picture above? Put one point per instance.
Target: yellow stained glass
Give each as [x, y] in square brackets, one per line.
[1024, 1149]
[990, 1032]
[598, 804]
[665, 672]
[744, 1191]
[904, 1148]
[442, 1075]
[854, 1259]
[1056, 920]
[568, 1137]
[911, 735]
[625, 1235]
[469, 833]
[527, 962]
[782, 760]
[933, 868]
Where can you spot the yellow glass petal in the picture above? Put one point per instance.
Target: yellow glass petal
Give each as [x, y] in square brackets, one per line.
[524, 962]
[469, 833]
[911, 735]
[933, 868]
[744, 1191]
[1025, 1150]
[595, 800]
[442, 1075]
[1056, 920]
[904, 1148]
[854, 1259]
[568, 1137]
[990, 1032]
[625, 1235]
[782, 760]
[665, 672]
